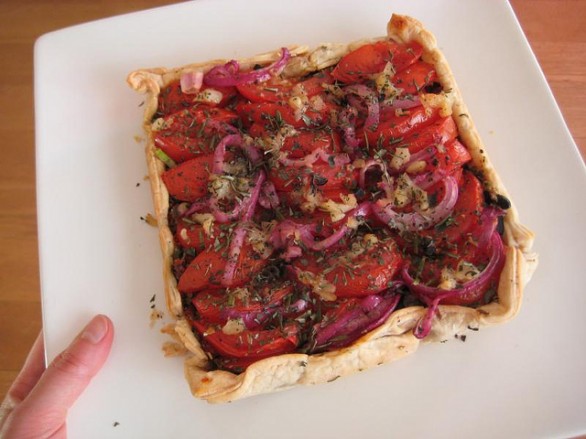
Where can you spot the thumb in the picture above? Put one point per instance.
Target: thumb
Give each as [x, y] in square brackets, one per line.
[67, 377]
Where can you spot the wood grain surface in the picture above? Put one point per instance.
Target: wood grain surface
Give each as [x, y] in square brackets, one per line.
[554, 28]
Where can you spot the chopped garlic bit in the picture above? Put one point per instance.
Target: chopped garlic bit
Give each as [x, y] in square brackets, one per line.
[258, 239]
[352, 223]
[311, 202]
[317, 103]
[416, 167]
[236, 167]
[219, 186]
[240, 293]
[466, 271]
[384, 83]
[225, 186]
[234, 326]
[161, 124]
[210, 96]
[400, 157]
[358, 247]
[318, 284]
[274, 142]
[335, 90]
[299, 101]
[296, 102]
[338, 211]
[406, 192]
[184, 236]
[450, 278]
[442, 101]
[206, 220]
[369, 240]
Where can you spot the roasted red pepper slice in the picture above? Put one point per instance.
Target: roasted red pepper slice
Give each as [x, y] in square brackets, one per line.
[356, 274]
[394, 128]
[189, 180]
[369, 59]
[415, 78]
[206, 270]
[251, 344]
[218, 306]
[172, 99]
[189, 133]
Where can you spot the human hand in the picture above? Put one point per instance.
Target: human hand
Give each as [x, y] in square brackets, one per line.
[36, 404]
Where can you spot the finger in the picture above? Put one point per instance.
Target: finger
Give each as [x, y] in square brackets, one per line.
[70, 373]
[33, 368]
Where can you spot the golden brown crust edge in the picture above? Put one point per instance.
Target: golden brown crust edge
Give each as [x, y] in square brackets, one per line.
[392, 340]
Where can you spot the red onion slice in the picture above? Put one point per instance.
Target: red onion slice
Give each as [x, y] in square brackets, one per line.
[221, 216]
[234, 250]
[197, 206]
[286, 232]
[429, 179]
[432, 296]
[252, 153]
[424, 324]
[488, 224]
[389, 304]
[404, 104]
[370, 99]
[341, 324]
[346, 122]
[363, 210]
[255, 319]
[247, 205]
[292, 252]
[229, 73]
[377, 317]
[239, 233]
[250, 203]
[414, 221]
[218, 168]
[269, 199]
[191, 82]
[306, 161]
[233, 255]
[369, 314]
[318, 153]
[222, 127]
[369, 164]
[309, 240]
[220, 151]
[336, 159]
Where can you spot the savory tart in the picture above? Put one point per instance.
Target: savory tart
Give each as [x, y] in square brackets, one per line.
[323, 211]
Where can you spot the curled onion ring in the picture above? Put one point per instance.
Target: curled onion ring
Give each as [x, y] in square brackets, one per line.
[239, 234]
[229, 74]
[432, 296]
[414, 221]
[370, 312]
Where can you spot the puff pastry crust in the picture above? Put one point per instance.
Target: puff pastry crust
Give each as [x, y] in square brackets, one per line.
[394, 339]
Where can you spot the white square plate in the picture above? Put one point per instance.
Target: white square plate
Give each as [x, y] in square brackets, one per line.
[522, 379]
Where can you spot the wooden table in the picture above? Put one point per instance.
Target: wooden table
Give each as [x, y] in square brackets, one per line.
[555, 29]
